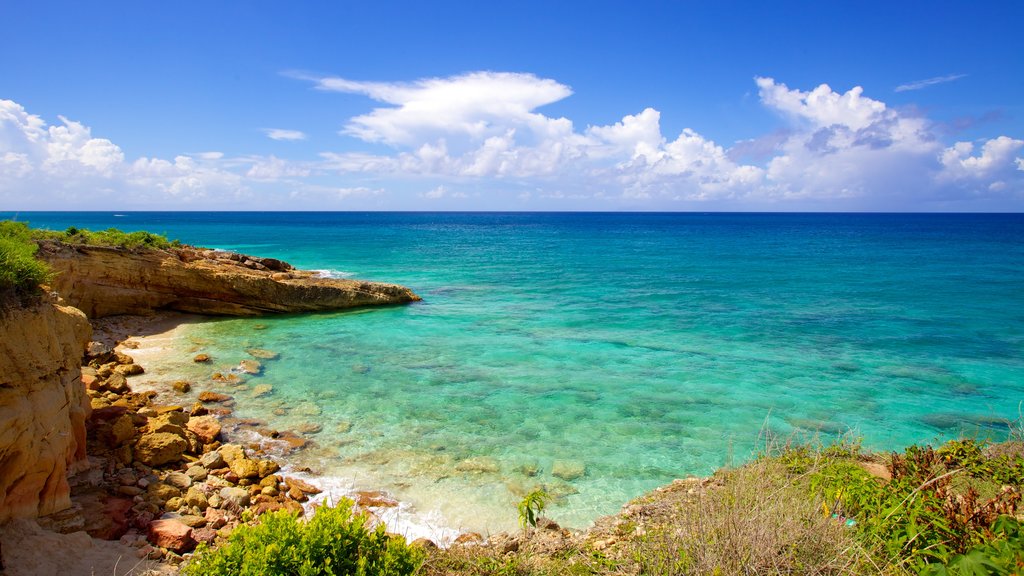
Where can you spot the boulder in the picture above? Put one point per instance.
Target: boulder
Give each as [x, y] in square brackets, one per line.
[212, 460]
[208, 396]
[250, 366]
[261, 390]
[159, 448]
[236, 496]
[244, 468]
[195, 497]
[207, 428]
[261, 353]
[178, 480]
[202, 358]
[123, 430]
[172, 535]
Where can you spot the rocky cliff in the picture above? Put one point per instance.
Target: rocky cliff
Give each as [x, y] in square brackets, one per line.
[103, 281]
[43, 407]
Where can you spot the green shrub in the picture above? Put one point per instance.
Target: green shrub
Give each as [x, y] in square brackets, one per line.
[333, 542]
[109, 237]
[20, 272]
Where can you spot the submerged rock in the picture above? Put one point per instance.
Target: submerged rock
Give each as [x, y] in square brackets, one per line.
[568, 469]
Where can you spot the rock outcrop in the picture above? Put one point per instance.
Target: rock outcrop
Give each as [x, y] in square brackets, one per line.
[104, 281]
[43, 407]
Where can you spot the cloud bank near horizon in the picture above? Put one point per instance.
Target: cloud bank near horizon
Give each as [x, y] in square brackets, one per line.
[481, 140]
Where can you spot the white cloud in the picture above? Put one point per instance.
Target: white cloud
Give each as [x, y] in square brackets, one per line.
[282, 134]
[919, 84]
[478, 105]
[833, 150]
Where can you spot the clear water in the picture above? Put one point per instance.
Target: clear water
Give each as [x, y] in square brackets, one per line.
[642, 347]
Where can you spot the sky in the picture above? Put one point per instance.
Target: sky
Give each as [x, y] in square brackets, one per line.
[596, 105]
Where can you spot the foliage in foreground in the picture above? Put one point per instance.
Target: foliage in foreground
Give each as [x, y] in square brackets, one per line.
[333, 542]
[20, 272]
[802, 509]
[109, 237]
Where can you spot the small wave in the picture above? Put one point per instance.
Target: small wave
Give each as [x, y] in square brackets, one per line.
[329, 273]
[403, 519]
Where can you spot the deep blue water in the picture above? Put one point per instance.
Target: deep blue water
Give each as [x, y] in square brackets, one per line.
[640, 347]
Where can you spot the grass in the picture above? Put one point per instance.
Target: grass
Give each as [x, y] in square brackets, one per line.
[21, 272]
[800, 509]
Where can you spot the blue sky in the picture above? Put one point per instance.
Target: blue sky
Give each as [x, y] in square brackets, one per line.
[512, 106]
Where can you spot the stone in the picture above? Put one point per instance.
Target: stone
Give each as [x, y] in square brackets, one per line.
[309, 428]
[425, 543]
[129, 369]
[478, 465]
[374, 499]
[116, 383]
[469, 538]
[196, 498]
[208, 396]
[213, 460]
[192, 521]
[201, 358]
[250, 366]
[266, 468]
[568, 469]
[261, 353]
[182, 386]
[123, 430]
[178, 480]
[270, 491]
[204, 535]
[172, 535]
[159, 448]
[160, 493]
[207, 428]
[231, 452]
[174, 503]
[261, 390]
[236, 496]
[343, 427]
[244, 468]
[297, 495]
[197, 473]
[301, 485]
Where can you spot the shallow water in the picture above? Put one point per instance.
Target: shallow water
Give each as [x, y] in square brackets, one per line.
[631, 348]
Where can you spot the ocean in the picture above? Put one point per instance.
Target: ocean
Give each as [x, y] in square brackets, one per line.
[602, 355]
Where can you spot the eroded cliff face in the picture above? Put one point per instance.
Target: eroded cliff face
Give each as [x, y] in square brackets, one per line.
[43, 407]
[104, 281]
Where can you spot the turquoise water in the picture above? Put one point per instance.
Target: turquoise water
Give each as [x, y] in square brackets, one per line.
[640, 347]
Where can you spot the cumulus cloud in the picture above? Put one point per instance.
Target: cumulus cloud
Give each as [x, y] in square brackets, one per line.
[832, 149]
[282, 134]
[46, 166]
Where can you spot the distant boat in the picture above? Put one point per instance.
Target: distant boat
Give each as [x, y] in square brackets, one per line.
[118, 215]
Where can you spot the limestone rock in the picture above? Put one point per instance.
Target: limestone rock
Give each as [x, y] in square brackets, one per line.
[207, 428]
[201, 358]
[250, 366]
[244, 468]
[237, 496]
[160, 448]
[209, 396]
[43, 407]
[212, 460]
[172, 535]
[178, 480]
[261, 390]
[302, 486]
[103, 281]
[568, 469]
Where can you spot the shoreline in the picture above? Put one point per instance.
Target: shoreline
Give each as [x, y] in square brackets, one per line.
[150, 339]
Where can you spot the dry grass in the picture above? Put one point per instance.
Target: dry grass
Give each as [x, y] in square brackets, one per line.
[757, 519]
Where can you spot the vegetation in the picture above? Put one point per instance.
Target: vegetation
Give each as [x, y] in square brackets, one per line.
[20, 272]
[109, 237]
[333, 541]
[801, 509]
[531, 506]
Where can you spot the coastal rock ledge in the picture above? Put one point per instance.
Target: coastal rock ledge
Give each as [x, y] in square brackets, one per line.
[43, 407]
[105, 281]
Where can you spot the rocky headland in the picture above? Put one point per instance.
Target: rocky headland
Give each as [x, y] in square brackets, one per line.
[80, 451]
[104, 281]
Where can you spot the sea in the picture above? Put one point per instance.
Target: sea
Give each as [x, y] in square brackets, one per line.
[601, 355]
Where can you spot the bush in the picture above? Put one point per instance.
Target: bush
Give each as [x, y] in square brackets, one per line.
[333, 541]
[20, 272]
[109, 237]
